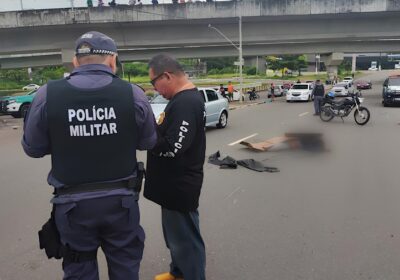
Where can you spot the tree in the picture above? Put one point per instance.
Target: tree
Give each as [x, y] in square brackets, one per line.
[292, 62]
[274, 62]
[15, 75]
[219, 63]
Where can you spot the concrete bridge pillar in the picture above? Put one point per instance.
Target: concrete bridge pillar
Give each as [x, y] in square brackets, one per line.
[332, 63]
[353, 63]
[66, 58]
[256, 61]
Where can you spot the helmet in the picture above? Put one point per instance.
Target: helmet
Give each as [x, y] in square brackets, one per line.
[331, 94]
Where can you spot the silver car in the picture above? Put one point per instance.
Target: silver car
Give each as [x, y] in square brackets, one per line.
[216, 107]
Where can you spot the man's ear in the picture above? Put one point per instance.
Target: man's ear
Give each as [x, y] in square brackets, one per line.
[75, 62]
[112, 62]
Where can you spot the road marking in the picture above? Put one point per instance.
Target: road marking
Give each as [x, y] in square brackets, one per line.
[245, 138]
[232, 193]
[303, 114]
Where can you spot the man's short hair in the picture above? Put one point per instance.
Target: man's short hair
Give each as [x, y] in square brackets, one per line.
[165, 63]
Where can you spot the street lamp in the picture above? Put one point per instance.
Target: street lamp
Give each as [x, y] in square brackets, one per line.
[239, 48]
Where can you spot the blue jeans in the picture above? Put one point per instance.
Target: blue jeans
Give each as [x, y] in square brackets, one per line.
[111, 223]
[183, 239]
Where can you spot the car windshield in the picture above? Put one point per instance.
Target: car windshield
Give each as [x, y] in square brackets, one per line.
[32, 92]
[394, 82]
[159, 100]
[300, 87]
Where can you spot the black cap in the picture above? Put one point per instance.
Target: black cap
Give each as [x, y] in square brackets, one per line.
[99, 44]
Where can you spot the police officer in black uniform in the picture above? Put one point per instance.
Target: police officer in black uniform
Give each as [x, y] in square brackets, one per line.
[175, 168]
[92, 123]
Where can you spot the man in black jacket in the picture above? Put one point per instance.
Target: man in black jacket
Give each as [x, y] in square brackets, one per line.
[175, 168]
[318, 93]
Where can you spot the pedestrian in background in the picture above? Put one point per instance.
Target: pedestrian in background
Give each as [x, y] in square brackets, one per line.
[92, 123]
[175, 168]
[318, 93]
[230, 91]
[272, 90]
[89, 3]
[222, 90]
[100, 3]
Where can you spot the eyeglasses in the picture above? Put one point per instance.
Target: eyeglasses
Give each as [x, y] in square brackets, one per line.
[154, 81]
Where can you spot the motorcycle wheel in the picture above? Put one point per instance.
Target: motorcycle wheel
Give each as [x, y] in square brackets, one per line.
[362, 116]
[326, 115]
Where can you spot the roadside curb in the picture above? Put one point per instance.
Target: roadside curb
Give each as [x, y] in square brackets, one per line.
[246, 105]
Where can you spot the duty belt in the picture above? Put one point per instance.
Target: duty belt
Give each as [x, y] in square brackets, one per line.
[134, 184]
[92, 187]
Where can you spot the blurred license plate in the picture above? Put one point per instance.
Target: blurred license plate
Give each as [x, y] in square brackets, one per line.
[397, 99]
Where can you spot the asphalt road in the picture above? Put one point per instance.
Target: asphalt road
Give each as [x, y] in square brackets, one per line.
[324, 216]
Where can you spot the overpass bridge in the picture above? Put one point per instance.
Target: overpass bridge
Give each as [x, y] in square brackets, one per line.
[46, 37]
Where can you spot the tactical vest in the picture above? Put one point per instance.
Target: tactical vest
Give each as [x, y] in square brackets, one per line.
[93, 132]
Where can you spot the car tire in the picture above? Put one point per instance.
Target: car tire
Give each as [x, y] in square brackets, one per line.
[309, 98]
[288, 101]
[223, 120]
[23, 110]
[384, 104]
[16, 115]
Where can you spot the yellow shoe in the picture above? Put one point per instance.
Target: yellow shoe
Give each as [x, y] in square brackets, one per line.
[166, 276]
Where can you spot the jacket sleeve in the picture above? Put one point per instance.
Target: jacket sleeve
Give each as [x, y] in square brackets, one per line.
[35, 141]
[180, 131]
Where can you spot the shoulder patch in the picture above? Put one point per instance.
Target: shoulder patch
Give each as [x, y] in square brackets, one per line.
[160, 118]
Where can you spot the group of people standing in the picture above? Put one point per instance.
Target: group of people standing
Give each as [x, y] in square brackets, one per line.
[228, 93]
[113, 3]
[92, 123]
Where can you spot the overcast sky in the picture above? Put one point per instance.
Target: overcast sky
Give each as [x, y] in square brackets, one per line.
[14, 5]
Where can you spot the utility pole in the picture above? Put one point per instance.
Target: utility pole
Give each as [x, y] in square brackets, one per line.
[240, 49]
[22, 5]
[241, 58]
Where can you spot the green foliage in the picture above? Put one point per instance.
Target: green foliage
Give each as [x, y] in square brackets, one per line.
[219, 63]
[136, 69]
[344, 67]
[45, 74]
[251, 71]
[274, 62]
[15, 75]
[292, 62]
[213, 72]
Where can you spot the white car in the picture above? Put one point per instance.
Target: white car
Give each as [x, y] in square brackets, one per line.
[279, 91]
[31, 87]
[372, 68]
[236, 93]
[342, 89]
[217, 107]
[348, 80]
[299, 92]
[397, 66]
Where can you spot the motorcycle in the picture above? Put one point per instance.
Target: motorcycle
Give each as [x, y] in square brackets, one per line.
[331, 108]
[253, 95]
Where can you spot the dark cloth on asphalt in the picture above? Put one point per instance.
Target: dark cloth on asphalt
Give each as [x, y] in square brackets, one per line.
[228, 162]
[224, 163]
